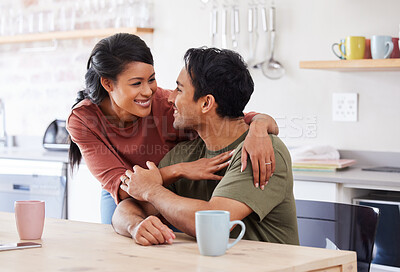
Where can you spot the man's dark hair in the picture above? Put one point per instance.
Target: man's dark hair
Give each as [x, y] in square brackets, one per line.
[223, 74]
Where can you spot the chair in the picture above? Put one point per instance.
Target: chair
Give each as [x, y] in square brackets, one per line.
[338, 226]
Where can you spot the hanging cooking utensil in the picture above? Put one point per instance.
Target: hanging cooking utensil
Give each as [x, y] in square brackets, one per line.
[253, 34]
[235, 27]
[263, 50]
[224, 27]
[214, 25]
[272, 68]
[251, 30]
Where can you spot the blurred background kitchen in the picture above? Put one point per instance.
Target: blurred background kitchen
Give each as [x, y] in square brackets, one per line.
[40, 79]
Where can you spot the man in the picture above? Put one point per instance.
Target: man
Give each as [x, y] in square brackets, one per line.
[212, 90]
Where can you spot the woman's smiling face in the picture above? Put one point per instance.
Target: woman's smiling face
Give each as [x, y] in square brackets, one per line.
[132, 92]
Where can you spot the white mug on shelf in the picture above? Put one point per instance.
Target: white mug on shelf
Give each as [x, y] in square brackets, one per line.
[381, 47]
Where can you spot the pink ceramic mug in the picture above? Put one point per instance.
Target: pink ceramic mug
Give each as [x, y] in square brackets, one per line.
[29, 216]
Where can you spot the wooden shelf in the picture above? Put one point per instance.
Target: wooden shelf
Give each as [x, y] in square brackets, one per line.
[74, 34]
[353, 65]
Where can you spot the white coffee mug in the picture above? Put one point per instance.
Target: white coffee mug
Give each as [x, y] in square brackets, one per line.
[212, 232]
[381, 47]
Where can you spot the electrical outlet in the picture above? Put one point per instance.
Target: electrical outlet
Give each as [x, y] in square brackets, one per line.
[345, 107]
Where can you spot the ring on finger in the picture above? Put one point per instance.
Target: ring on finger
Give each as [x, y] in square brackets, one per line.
[267, 163]
[123, 179]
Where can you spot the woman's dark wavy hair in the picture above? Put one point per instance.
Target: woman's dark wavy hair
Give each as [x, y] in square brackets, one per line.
[108, 59]
[223, 74]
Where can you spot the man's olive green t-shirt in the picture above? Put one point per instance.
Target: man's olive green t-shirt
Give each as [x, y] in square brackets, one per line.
[274, 212]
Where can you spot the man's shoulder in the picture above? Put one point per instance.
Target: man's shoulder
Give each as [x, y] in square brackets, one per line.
[281, 150]
[283, 167]
[277, 144]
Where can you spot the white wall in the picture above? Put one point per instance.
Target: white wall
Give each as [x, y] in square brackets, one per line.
[40, 86]
[306, 30]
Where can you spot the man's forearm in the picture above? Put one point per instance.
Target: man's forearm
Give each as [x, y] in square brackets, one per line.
[127, 216]
[179, 211]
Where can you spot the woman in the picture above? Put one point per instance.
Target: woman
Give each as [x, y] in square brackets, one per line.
[123, 119]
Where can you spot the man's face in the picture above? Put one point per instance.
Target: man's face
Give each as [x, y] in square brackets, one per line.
[187, 112]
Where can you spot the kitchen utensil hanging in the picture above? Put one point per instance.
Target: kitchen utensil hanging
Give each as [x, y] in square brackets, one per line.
[272, 68]
[214, 25]
[253, 34]
[224, 27]
[263, 50]
[228, 13]
[235, 27]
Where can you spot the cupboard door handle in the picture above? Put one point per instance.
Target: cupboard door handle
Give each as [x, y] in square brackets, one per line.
[21, 187]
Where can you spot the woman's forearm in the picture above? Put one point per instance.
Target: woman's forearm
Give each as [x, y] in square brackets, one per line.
[265, 123]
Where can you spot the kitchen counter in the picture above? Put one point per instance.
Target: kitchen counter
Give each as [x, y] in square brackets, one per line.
[76, 246]
[30, 148]
[354, 177]
[25, 153]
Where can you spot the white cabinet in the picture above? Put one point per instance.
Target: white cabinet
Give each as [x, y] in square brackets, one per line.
[315, 190]
[33, 180]
[84, 193]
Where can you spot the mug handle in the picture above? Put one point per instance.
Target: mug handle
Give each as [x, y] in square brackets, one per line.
[334, 52]
[237, 222]
[389, 52]
[341, 52]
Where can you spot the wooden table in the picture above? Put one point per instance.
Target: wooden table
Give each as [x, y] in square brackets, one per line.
[77, 246]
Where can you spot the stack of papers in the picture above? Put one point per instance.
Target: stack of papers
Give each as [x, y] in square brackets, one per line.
[321, 165]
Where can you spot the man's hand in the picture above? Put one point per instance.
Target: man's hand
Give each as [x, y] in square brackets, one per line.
[141, 181]
[151, 231]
